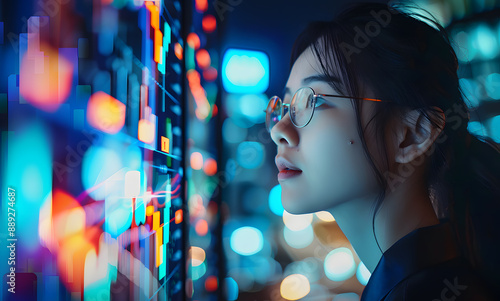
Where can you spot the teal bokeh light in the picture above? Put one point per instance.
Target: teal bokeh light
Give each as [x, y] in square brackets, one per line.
[275, 200]
[247, 240]
[245, 71]
[339, 264]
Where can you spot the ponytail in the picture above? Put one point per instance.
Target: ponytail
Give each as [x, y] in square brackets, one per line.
[475, 205]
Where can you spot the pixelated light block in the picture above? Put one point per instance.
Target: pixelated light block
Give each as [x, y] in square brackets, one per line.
[102, 82]
[132, 183]
[159, 242]
[140, 212]
[82, 94]
[155, 14]
[156, 220]
[83, 48]
[163, 266]
[1, 33]
[46, 80]
[165, 144]
[121, 84]
[158, 45]
[166, 225]
[3, 103]
[13, 87]
[78, 119]
[146, 131]
[105, 113]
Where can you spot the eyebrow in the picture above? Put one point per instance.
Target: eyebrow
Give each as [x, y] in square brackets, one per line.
[331, 80]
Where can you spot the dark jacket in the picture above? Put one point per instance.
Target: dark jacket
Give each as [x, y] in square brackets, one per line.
[426, 265]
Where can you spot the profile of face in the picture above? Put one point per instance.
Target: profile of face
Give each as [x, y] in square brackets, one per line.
[334, 171]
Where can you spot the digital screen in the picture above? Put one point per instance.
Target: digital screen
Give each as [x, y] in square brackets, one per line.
[93, 204]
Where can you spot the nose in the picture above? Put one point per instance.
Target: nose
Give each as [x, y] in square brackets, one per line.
[284, 132]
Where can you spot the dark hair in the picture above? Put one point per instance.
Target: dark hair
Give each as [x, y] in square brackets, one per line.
[407, 58]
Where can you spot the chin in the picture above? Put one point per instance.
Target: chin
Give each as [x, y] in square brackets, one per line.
[296, 206]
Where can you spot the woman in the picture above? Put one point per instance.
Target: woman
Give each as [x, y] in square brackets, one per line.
[373, 128]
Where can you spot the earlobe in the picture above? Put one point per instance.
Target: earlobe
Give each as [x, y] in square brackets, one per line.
[418, 134]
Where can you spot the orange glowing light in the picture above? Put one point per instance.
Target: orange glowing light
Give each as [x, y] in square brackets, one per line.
[156, 220]
[201, 5]
[211, 284]
[210, 74]
[199, 94]
[196, 161]
[150, 210]
[201, 227]
[71, 260]
[193, 40]
[165, 144]
[209, 23]
[45, 78]
[105, 113]
[178, 51]
[146, 131]
[155, 14]
[178, 216]
[158, 45]
[159, 242]
[210, 167]
[203, 58]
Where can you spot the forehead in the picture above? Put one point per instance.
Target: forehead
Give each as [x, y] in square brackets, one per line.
[306, 65]
[308, 72]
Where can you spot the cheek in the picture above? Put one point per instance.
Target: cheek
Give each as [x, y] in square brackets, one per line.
[336, 170]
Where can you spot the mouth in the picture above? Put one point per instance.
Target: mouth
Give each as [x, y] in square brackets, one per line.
[286, 168]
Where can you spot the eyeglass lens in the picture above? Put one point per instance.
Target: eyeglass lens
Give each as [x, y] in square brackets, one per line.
[301, 109]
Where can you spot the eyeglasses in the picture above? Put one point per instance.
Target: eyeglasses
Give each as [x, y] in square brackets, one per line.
[301, 108]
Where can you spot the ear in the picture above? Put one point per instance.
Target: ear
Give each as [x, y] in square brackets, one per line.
[416, 134]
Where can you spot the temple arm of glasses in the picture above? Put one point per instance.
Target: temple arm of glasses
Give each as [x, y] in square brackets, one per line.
[360, 98]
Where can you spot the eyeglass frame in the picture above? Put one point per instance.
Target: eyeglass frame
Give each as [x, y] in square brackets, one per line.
[315, 102]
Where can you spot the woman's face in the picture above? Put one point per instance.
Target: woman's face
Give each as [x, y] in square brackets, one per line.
[333, 170]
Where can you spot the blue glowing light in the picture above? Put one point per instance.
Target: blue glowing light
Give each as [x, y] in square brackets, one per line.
[29, 173]
[486, 42]
[492, 85]
[231, 289]
[198, 271]
[232, 133]
[250, 154]
[275, 200]
[476, 128]
[363, 274]
[247, 240]
[245, 71]
[495, 128]
[339, 264]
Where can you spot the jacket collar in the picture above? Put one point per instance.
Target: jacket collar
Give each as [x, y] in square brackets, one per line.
[417, 250]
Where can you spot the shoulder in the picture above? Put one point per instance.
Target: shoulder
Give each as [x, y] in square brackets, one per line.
[452, 280]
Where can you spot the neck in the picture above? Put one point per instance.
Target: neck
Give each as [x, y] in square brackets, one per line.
[403, 210]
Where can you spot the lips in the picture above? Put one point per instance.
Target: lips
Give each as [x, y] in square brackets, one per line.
[284, 164]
